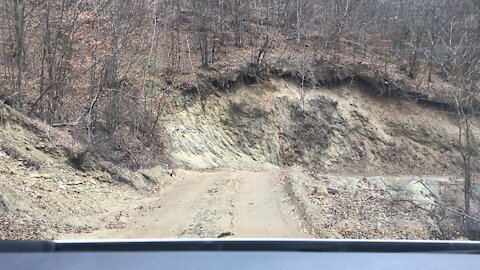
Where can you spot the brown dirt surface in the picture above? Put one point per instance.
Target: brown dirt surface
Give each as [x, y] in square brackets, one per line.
[211, 204]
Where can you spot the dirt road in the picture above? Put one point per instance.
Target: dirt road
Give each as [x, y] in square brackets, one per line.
[211, 204]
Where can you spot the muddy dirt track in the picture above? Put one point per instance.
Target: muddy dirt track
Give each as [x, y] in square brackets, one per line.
[212, 204]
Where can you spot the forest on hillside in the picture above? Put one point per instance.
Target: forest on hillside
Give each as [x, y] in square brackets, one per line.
[108, 64]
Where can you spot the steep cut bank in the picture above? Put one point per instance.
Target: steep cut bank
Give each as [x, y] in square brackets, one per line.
[342, 128]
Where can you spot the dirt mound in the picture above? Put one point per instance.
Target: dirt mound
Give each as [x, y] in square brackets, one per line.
[379, 207]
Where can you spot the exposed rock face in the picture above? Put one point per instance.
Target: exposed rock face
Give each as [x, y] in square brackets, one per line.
[337, 129]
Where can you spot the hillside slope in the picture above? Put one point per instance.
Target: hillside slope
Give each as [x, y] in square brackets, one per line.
[43, 192]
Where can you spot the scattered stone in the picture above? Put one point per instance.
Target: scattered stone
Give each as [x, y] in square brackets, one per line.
[171, 172]
[80, 173]
[76, 183]
[332, 191]
[225, 234]
[40, 145]
[320, 191]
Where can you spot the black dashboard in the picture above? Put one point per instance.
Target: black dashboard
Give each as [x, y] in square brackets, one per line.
[239, 254]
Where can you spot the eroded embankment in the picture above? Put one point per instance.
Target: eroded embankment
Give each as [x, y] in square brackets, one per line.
[334, 129]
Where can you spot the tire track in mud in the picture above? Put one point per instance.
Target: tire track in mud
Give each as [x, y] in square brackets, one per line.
[214, 217]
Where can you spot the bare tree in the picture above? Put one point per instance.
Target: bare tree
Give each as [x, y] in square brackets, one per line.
[456, 53]
[19, 22]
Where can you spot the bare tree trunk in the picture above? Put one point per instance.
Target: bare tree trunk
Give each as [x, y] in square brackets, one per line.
[465, 149]
[203, 43]
[239, 23]
[298, 20]
[49, 117]
[110, 70]
[214, 46]
[221, 10]
[19, 20]
[464, 140]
